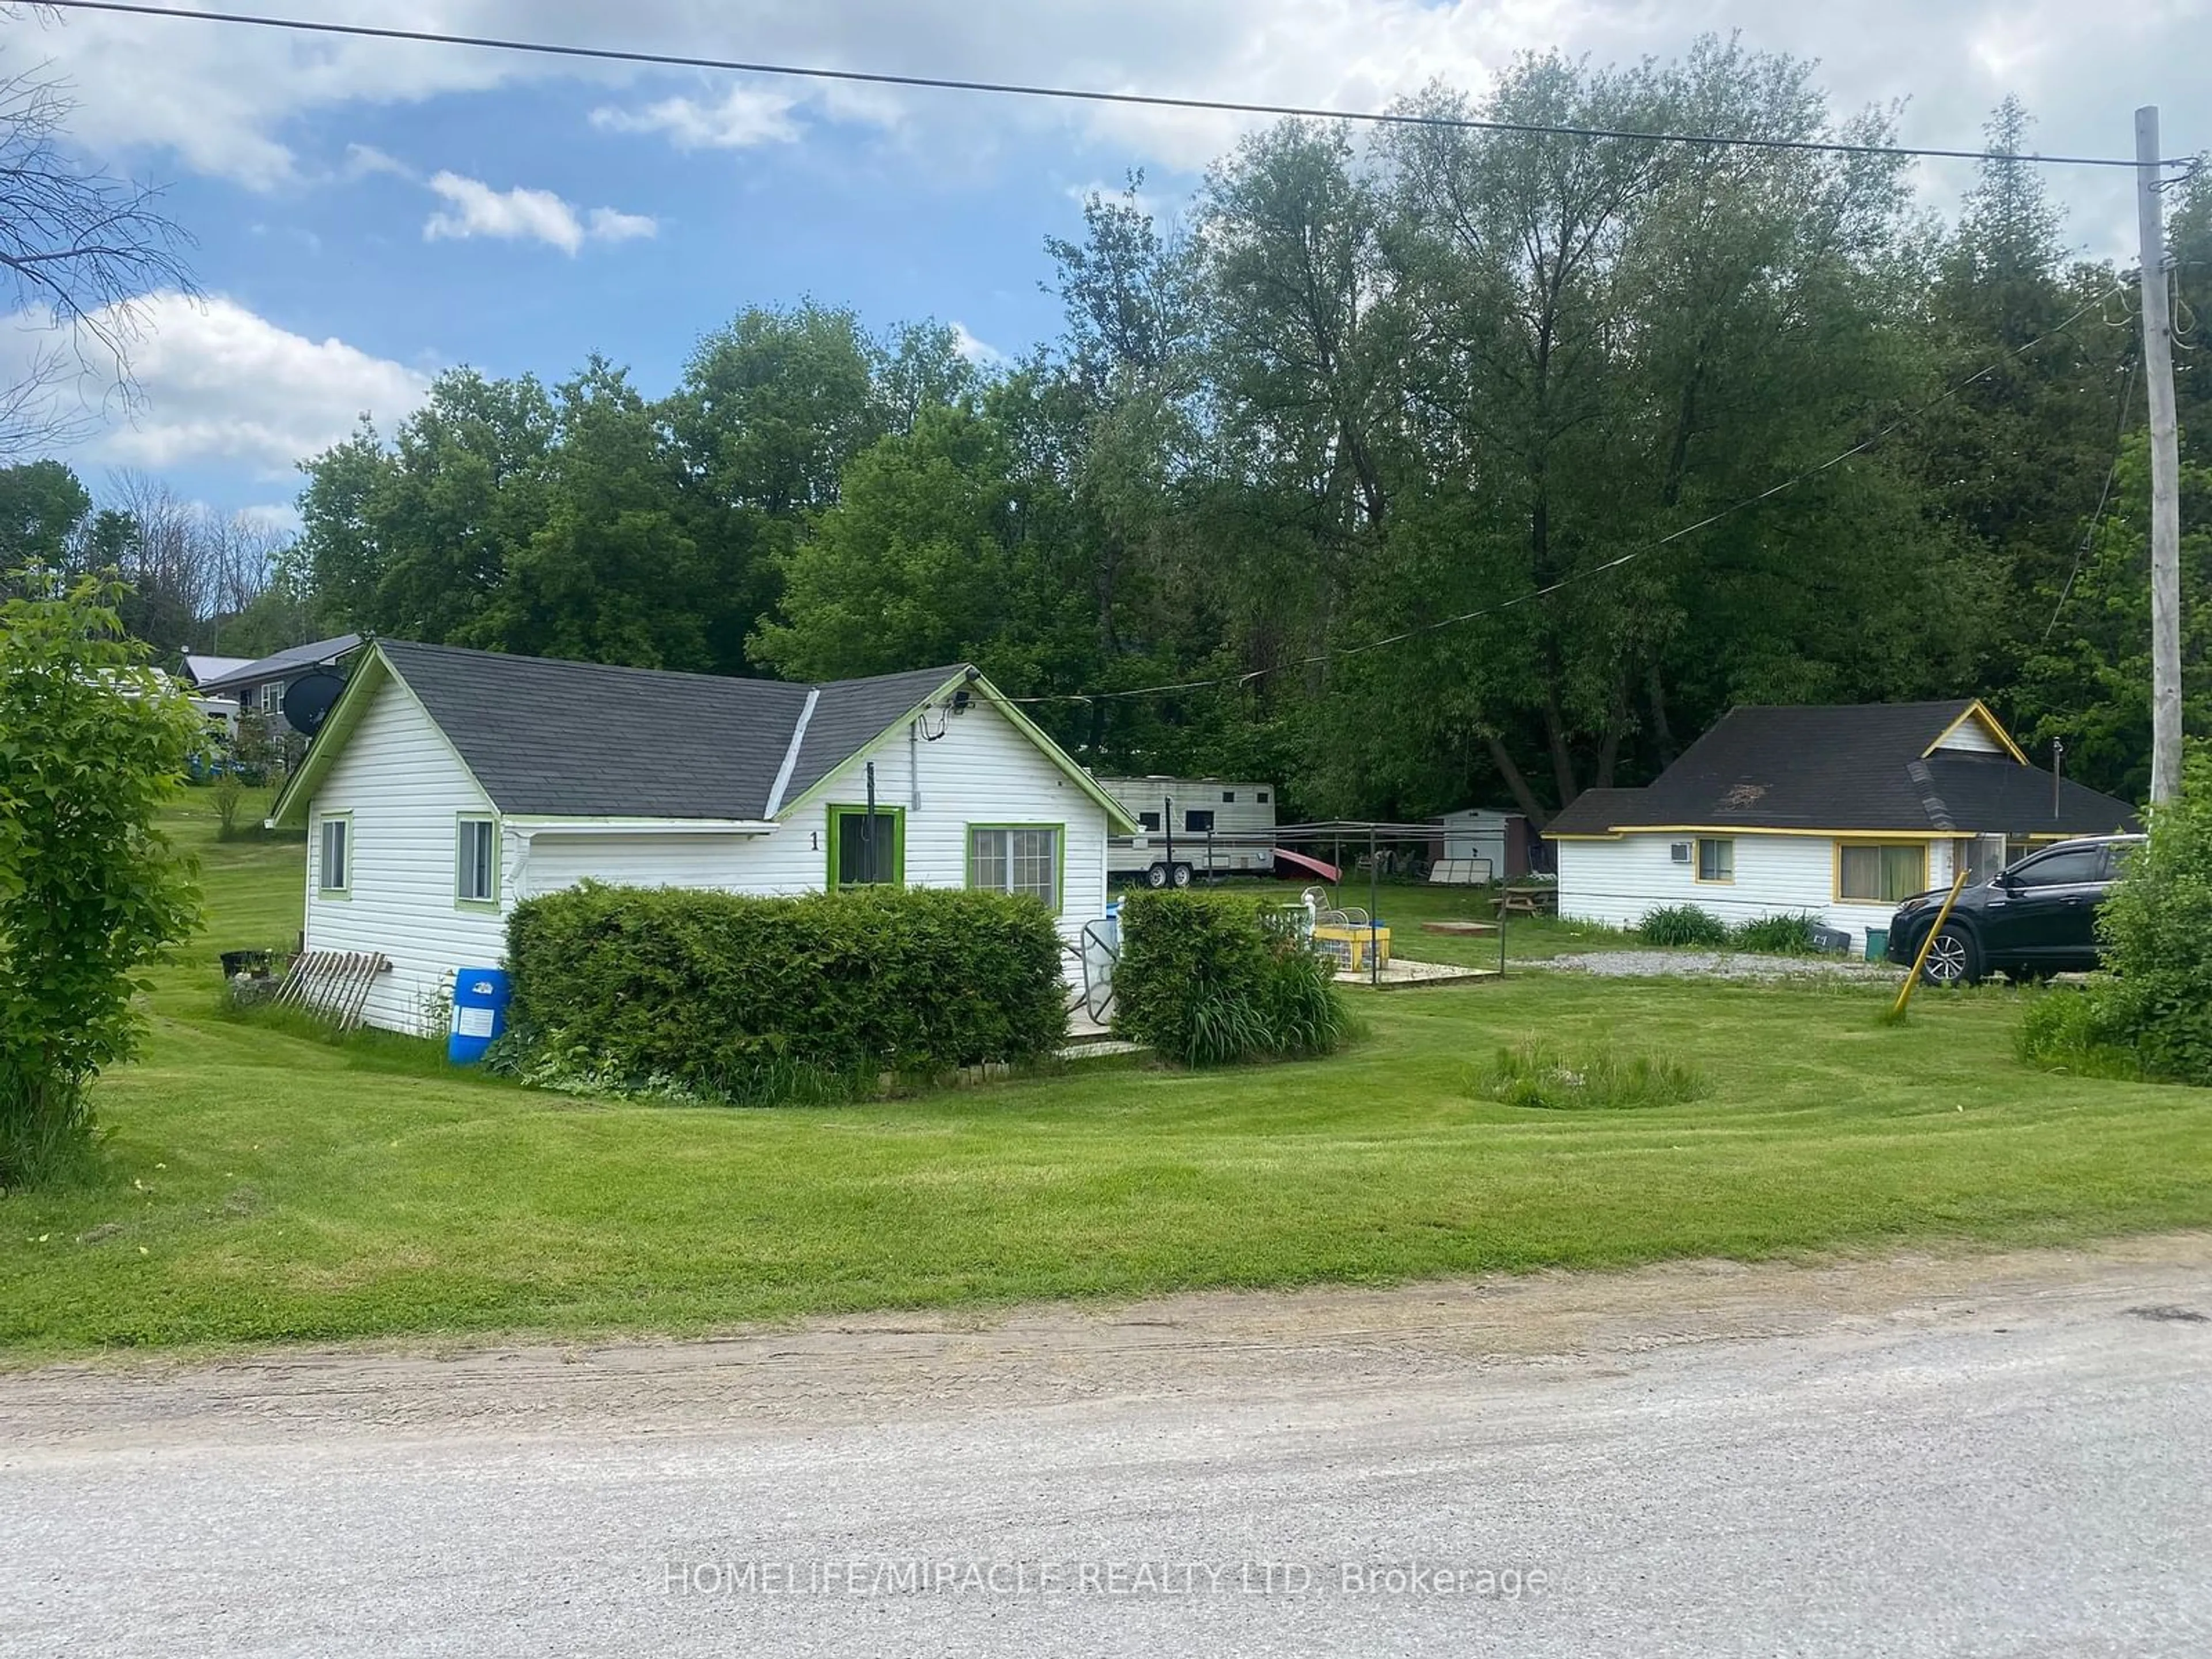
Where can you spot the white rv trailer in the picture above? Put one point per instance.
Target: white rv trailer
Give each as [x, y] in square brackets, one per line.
[1192, 827]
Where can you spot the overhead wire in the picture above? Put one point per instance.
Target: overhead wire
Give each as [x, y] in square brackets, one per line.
[1074, 95]
[1337, 652]
[2104, 496]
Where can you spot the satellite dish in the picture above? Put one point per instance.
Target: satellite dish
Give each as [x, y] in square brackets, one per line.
[308, 699]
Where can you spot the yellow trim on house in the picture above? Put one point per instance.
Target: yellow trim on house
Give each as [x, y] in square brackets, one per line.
[1762, 830]
[1989, 721]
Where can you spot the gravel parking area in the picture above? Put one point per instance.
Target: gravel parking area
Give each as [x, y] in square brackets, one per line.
[1716, 964]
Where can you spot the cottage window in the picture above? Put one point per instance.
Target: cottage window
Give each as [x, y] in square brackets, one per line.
[271, 694]
[1875, 872]
[336, 861]
[476, 861]
[1715, 859]
[865, 848]
[1016, 859]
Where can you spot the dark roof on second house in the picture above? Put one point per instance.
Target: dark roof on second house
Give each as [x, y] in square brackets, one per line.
[579, 739]
[282, 663]
[1854, 767]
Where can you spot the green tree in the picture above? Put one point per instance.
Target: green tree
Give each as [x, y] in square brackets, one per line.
[91, 742]
[2086, 681]
[922, 561]
[43, 509]
[611, 574]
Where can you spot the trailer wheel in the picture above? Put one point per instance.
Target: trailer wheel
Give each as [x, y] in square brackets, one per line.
[1182, 875]
[1156, 876]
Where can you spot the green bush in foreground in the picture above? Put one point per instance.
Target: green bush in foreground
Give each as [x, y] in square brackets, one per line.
[718, 996]
[2064, 1030]
[2153, 1011]
[1595, 1076]
[92, 743]
[1681, 924]
[1209, 978]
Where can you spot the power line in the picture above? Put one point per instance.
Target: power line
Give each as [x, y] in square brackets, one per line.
[2097, 518]
[1075, 94]
[1335, 654]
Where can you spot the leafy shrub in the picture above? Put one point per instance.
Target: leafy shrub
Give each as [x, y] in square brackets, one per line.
[1536, 1073]
[1789, 934]
[1682, 924]
[720, 996]
[92, 743]
[1209, 978]
[2066, 1030]
[2157, 927]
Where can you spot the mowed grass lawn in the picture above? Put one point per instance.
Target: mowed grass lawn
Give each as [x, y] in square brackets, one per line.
[262, 1186]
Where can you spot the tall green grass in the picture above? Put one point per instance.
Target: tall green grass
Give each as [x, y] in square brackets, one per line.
[1595, 1076]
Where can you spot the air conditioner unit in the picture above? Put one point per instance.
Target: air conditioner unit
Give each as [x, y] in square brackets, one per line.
[1679, 852]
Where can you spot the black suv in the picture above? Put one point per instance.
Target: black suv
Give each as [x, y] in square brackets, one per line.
[2031, 920]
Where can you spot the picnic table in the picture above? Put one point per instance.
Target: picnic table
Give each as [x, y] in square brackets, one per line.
[1532, 900]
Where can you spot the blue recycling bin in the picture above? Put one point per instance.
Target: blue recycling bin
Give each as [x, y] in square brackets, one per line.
[480, 998]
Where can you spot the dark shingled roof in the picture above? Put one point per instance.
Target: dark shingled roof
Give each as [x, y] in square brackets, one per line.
[285, 662]
[1592, 813]
[574, 739]
[1848, 767]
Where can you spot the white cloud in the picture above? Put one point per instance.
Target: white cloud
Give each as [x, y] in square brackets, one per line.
[230, 100]
[608, 225]
[742, 117]
[218, 383]
[475, 209]
[980, 353]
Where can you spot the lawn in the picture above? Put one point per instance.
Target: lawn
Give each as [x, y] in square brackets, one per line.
[270, 1187]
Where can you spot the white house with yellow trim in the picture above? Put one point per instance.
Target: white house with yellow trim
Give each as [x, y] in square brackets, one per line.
[447, 784]
[1836, 812]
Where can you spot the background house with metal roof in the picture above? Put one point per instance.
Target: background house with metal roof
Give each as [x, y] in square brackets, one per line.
[1838, 812]
[446, 785]
[258, 686]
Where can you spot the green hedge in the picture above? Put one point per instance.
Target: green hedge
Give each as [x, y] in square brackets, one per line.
[2154, 1009]
[1209, 978]
[747, 999]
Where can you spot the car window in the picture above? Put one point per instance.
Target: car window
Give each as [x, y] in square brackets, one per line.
[2065, 869]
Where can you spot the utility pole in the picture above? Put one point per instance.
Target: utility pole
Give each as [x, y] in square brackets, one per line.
[2165, 472]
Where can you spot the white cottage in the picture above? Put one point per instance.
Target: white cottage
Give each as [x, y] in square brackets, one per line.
[449, 784]
[1839, 812]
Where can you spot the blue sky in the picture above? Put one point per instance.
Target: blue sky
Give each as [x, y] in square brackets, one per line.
[368, 213]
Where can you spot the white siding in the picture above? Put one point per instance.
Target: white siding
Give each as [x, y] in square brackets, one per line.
[405, 790]
[982, 770]
[1616, 882]
[1973, 738]
[1246, 816]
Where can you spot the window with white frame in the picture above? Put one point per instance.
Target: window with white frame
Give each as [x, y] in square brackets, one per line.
[335, 875]
[1016, 859]
[475, 862]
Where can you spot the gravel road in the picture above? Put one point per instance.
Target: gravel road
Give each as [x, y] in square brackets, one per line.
[2000, 1455]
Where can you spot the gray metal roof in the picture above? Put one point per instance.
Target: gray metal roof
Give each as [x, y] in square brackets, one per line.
[283, 663]
[575, 739]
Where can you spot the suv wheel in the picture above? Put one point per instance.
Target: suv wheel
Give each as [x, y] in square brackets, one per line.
[1953, 959]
